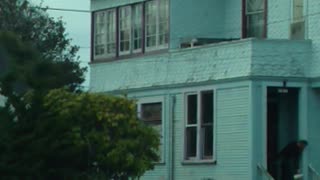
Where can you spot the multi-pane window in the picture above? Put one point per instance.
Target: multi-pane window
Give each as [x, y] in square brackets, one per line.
[156, 24]
[130, 27]
[199, 126]
[255, 21]
[125, 29]
[137, 27]
[151, 114]
[297, 28]
[104, 37]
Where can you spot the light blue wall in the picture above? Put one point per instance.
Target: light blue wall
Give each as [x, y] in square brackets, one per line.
[314, 126]
[196, 19]
[279, 18]
[232, 19]
[232, 134]
[104, 4]
[207, 63]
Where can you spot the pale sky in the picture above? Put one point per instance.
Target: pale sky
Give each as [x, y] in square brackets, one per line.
[77, 25]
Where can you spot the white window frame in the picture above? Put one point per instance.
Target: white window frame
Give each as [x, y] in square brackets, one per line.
[148, 100]
[104, 40]
[254, 13]
[157, 23]
[139, 50]
[199, 150]
[129, 29]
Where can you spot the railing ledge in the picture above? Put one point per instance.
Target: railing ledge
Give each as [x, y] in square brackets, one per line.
[264, 171]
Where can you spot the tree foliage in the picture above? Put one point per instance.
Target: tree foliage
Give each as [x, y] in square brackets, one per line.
[80, 135]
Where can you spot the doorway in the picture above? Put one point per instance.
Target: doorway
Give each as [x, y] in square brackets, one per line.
[282, 123]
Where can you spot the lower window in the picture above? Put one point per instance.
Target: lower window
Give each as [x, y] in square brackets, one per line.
[150, 112]
[199, 126]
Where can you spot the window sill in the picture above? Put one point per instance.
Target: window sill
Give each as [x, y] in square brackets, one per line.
[198, 162]
[128, 56]
[160, 163]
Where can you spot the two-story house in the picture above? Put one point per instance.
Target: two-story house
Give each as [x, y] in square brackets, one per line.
[228, 83]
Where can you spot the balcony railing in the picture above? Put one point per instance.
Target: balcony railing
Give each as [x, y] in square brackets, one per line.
[313, 174]
[264, 172]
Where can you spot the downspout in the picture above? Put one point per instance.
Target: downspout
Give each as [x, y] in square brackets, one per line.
[171, 136]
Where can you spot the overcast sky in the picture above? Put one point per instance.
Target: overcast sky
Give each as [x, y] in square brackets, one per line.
[77, 24]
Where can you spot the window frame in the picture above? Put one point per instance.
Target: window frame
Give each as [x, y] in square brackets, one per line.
[131, 52]
[245, 20]
[94, 28]
[199, 158]
[293, 20]
[157, 26]
[150, 100]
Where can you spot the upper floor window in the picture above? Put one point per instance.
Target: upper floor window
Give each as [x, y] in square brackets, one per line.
[297, 10]
[105, 28]
[297, 28]
[199, 126]
[156, 24]
[254, 18]
[136, 28]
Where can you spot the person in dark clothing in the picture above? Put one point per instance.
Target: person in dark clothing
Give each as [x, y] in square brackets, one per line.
[290, 156]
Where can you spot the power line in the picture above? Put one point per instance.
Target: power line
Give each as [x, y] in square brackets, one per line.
[66, 10]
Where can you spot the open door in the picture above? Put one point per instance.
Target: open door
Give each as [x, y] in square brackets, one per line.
[282, 124]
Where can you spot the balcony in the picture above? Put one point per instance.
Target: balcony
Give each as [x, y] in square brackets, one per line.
[220, 61]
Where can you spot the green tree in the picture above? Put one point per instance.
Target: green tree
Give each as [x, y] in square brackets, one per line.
[78, 136]
[32, 25]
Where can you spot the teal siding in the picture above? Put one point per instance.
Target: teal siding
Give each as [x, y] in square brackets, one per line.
[313, 129]
[232, 135]
[233, 132]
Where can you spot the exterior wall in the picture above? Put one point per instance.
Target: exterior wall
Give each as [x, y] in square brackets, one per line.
[103, 4]
[313, 26]
[313, 127]
[213, 62]
[232, 19]
[281, 58]
[257, 125]
[195, 19]
[232, 134]
[219, 61]
[279, 18]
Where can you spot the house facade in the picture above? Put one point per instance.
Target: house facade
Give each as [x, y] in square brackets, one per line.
[227, 83]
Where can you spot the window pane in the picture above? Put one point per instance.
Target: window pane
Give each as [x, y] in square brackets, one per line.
[207, 139]
[100, 33]
[151, 112]
[191, 143]
[157, 15]
[151, 41]
[255, 5]
[137, 26]
[111, 29]
[192, 109]
[255, 25]
[207, 107]
[125, 28]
